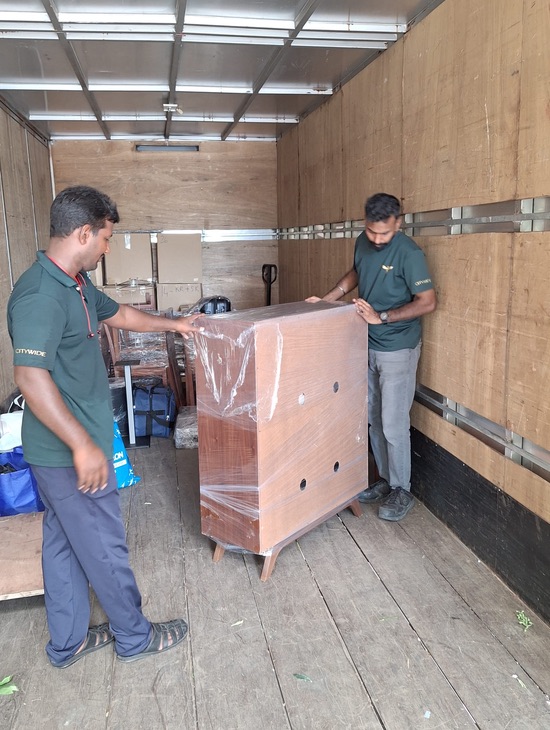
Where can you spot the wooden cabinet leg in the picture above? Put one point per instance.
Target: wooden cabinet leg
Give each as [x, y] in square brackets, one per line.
[269, 564]
[355, 507]
[218, 553]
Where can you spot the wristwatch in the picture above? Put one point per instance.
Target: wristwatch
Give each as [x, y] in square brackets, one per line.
[384, 317]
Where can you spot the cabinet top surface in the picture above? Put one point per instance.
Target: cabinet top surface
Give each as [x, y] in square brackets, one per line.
[277, 311]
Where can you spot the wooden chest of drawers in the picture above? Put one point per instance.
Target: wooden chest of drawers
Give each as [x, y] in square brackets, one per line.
[282, 420]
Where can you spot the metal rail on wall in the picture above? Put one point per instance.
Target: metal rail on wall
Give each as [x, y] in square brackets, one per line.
[511, 216]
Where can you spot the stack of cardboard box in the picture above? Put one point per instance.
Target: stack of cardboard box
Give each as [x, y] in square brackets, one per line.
[129, 270]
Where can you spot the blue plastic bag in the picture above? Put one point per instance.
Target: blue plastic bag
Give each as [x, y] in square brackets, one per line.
[18, 490]
[125, 476]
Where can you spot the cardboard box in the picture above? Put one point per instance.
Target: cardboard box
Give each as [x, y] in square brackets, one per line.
[130, 257]
[175, 296]
[179, 258]
[137, 296]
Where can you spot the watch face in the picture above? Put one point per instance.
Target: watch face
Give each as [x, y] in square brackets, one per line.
[383, 316]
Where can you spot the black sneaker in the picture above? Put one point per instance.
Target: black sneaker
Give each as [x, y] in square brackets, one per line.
[375, 493]
[397, 505]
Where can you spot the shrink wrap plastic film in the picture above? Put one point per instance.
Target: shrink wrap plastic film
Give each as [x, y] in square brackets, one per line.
[282, 420]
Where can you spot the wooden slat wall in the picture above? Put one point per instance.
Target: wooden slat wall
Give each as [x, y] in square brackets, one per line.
[528, 362]
[470, 84]
[41, 182]
[234, 270]
[461, 92]
[320, 152]
[25, 197]
[524, 486]
[224, 185]
[373, 132]
[17, 191]
[294, 274]
[288, 181]
[6, 359]
[465, 341]
[311, 266]
[534, 123]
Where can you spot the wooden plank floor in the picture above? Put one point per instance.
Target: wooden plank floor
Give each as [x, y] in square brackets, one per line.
[364, 625]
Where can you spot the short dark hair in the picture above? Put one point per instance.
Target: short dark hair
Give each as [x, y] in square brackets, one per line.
[382, 206]
[79, 206]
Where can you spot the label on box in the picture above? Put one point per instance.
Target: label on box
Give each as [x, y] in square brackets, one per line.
[177, 296]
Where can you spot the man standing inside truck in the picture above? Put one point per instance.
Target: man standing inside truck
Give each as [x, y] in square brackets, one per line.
[53, 317]
[395, 290]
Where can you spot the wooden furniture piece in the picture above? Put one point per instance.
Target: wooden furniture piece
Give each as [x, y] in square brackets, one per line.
[282, 422]
[21, 556]
[164, 366]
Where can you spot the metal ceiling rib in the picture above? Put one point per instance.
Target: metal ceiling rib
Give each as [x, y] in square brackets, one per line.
[180, 69]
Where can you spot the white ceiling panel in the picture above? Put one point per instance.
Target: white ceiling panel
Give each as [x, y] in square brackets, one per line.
[172, 69]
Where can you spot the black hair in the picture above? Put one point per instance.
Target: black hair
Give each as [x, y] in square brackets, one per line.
[79, 206]
[382, 206]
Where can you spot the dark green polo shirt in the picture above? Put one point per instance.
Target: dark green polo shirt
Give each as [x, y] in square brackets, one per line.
[49, 329]
[387, 279]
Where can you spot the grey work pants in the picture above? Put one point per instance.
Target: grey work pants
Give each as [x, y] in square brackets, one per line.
[85, 544]
[392, 383]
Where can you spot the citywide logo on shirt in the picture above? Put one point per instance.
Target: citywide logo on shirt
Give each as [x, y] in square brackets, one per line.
[25, 351]
[422, 281]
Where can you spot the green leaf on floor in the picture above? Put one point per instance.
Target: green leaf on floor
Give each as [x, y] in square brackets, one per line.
[303, 677]
[6, 686]
[523, 620]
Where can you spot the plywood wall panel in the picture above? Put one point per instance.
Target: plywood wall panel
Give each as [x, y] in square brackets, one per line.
[17, 195]
[321, 165]
[373, 131]
[6, 359]
[470, 450]
[528, 401]
[41, 185]
[294, 279]
[461, 96]
[465, 339]
[234, 269]
[330, 259]
[288, 179]
[25, 196]
[528, 489]
[523, 485]
[311, 267]
[534, 123]
[224, 185]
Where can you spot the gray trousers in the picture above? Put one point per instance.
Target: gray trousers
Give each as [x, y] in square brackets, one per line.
[392, 383]
[84, 543]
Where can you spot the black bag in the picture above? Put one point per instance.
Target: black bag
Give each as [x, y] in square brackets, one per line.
[154, 410]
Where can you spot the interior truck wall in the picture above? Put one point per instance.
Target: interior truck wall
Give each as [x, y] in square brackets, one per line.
[453, 115]
[25, 197]
[225, 185]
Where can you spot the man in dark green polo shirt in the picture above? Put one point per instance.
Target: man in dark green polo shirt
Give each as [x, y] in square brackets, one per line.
[53, 317]
[395, 290]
